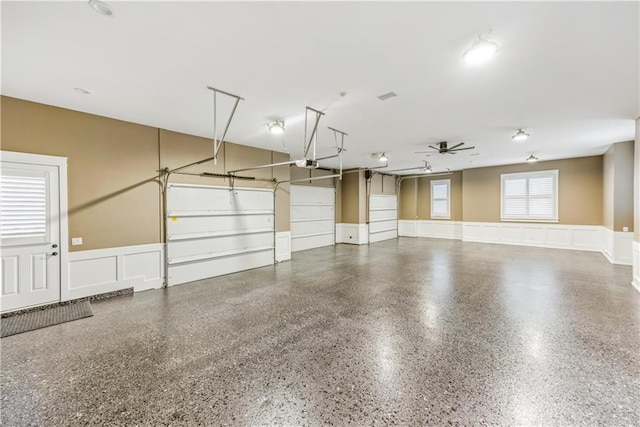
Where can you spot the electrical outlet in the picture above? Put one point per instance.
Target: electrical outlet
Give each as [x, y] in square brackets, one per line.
[625, 228]
[75, 241]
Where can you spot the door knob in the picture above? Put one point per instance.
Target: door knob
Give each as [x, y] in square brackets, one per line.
[54, 253]
[54, 246]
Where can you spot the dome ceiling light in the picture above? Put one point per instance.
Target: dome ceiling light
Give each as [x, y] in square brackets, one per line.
[480, 51]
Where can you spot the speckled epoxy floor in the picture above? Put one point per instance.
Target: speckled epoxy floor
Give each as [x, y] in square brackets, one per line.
[413, 332]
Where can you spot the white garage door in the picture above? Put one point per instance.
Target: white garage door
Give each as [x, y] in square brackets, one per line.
[213, 231]
[383, 218]
[312, 217]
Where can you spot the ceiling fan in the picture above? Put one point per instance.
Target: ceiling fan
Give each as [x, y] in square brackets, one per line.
[444, 149]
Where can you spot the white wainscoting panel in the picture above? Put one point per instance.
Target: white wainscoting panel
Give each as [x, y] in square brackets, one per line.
[440, 229]
[636, 265]
[617, 246]
[355, 234]
[578, 237]
[105, 270]
[283, 246]
[407, 228]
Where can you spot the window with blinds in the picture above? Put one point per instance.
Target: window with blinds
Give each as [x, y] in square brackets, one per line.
[440, 203]
[23, 206]
[531, 196]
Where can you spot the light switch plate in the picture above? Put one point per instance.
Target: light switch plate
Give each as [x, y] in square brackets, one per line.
[625, 228]
[75, 241]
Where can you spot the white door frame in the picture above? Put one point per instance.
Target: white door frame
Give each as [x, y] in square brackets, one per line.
[61, 164]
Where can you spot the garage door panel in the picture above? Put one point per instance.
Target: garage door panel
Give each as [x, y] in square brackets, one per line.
[312, 217]
[383, 218]
[299, 229]
[192, 226]
[304, 243]
[311, 212]
[213, 231]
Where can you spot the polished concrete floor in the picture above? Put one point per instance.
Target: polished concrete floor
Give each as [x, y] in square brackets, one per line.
[408, 331]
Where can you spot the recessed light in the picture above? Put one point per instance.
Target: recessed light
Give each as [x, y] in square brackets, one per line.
[276, 127]
[101, 7]
[520, 135]
[81, 91]
[480, 51]
[532, 159]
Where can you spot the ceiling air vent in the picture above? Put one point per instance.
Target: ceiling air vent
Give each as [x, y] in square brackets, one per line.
[386, 96]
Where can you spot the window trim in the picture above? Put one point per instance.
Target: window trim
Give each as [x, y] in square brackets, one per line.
[448, 183]
[527, 175]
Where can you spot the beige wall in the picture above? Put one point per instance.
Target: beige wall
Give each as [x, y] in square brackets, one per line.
[382, 184]
[424, 196]
[353, 196]
[580, 188]
[114, 195]
[608, 187]
[408, 199]
[622, 198]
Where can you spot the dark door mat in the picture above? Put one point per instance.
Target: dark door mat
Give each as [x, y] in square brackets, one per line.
[42, 318]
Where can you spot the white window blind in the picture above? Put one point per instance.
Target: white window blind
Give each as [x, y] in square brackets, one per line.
[440, 203]
[23, 206]
[530, 196]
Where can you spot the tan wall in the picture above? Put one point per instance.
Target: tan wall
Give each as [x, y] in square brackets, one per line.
[113, 193]
[608, 187]
[580, 188]
[353, 198]
[114, 196]
[424, 196]
[383, 184]
[408, 199]
[623, 211]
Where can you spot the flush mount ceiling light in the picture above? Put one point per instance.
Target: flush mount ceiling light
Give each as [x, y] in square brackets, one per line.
[532, 159]
[276, 127]
[480, 51]
[101, 7]
[380, 156]
[520, 135]
[81, 91]
[427, 167]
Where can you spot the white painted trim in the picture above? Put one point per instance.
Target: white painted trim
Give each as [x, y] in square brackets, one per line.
[617, 246]
[61, 163]
[355, 234]
[98, 271]
[440, 229]
[636, 265]
[407, 228]
[283, 246]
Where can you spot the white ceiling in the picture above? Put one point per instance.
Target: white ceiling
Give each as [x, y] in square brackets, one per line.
[568, 73]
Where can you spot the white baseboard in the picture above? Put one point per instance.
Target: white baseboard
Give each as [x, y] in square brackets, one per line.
[636, 265]
[98, 271]
[283, 246]
[355, 234]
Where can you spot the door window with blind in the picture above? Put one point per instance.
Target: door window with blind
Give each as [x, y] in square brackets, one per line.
[440, 199]
[531, 196]
[23, 206]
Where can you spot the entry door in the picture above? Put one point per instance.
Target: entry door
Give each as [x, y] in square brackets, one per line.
[29, 235]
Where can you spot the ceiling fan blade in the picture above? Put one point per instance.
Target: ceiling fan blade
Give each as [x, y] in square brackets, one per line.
[467, 148]
[456, 146]
[420, 152]
[437, 149]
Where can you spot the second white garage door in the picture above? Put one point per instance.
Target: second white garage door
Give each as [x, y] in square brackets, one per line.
[312, 217]
[383, 218]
